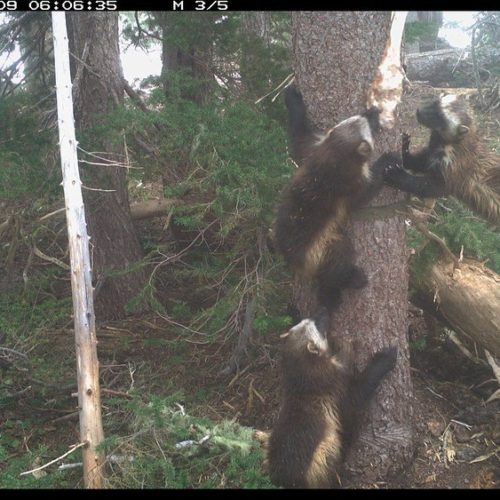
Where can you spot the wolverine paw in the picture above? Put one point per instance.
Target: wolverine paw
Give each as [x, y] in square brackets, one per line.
[386, 162]
[393, 168]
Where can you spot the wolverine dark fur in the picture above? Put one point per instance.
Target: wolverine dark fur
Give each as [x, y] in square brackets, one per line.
[322, 402]
[455, 161]
[333, 178]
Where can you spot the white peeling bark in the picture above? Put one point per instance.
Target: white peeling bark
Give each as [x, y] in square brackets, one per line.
[89, 399]
[387, 86]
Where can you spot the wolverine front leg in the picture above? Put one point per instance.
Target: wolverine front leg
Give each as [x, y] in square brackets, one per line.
[431, 185]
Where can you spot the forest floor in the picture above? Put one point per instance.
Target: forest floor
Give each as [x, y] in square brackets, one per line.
[456, 434]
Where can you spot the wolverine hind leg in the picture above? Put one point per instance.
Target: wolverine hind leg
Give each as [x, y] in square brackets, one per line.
[336, 272]
[330, 285]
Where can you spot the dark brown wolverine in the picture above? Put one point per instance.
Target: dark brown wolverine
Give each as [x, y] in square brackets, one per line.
[334, 177]
[323, 400]
[455, 161]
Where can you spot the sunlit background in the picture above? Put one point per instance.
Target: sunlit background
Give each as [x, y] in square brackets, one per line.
[138, 63]
[454, 27]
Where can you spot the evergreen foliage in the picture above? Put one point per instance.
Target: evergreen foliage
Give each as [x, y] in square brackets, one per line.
[420, 30]
[462, 231]
[27, 167]
[488, 29]
[168, 448]
[212, 267]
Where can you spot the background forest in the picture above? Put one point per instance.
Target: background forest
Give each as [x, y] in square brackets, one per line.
[188, 329]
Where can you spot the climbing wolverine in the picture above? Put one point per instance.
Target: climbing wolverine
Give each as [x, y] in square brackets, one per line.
[334, 177]
[324, 398]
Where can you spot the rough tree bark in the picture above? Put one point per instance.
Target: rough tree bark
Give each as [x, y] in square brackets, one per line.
[257, 23]
[336, 57]
[98, 87]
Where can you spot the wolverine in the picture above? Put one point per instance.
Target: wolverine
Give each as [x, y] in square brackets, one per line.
[323, 400]
[455, 161]
[334, 176]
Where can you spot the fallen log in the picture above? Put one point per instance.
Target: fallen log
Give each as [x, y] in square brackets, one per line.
[451, 66]
[467, 299]
[152, 208]
[138, 210]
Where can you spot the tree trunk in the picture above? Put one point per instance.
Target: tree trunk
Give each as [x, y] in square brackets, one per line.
[187, 51]
[89, 395]
[435, 20]
[467, 299]
[35, 44]
[427, 39]
[98, 88]
[257, 23]
[256, 27]
[336, 58]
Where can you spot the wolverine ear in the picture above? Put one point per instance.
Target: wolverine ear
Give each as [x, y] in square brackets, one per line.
[312, 348]
[364, 149]
[462, 129]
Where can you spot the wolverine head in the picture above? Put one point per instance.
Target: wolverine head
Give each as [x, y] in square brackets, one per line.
[447, 115]
[310, 359]
[309, 337]
[351, 138]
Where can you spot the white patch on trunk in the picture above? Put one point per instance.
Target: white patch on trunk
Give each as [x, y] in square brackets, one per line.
[387, 86]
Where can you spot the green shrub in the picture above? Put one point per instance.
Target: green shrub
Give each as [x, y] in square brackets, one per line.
[168, 448]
